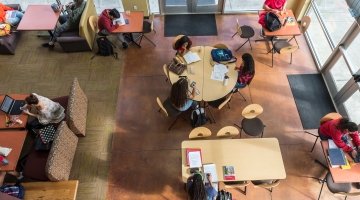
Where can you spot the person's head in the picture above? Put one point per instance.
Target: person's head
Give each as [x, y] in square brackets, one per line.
[184, 42]
[114, 13]
[178, 94]
[248, 65]
[197, 189]
[31, 100]
[345, 126]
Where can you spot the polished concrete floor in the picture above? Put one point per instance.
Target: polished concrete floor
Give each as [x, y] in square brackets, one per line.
[146, 157]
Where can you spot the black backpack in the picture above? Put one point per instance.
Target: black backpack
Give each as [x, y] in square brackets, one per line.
[198, 117]
[105, 47]
[272, 22]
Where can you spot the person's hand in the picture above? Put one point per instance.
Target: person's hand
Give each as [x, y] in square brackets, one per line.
[353, 153]
[26, 111]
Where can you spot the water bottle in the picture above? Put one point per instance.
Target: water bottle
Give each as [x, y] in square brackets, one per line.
[226, 80]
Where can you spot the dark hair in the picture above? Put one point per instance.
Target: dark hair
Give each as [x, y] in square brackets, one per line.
[346, 124]
[182, 41]
[31, 99]
[249, 65]
[197, 189]
[114, 13]
[178, 94]
[78, 2]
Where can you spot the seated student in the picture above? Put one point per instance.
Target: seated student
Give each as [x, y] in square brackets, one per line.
[9, 15]
[197, 190]
[67, 22]
[246, 71]
[183, 45]
[275, 6]
[105, 23]
[44, 110]
[337, 130]
[180, 97]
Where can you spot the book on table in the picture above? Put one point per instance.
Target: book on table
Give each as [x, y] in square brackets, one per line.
[229, 173]
[191, 57]
[193, 157]
[336, 157]
[211, 169]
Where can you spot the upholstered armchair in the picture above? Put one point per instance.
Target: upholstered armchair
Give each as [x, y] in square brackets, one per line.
[8, 43]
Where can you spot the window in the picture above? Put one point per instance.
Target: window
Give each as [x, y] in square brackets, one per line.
[243, 5]
[352, 106]
[340, 73]
[354, 53]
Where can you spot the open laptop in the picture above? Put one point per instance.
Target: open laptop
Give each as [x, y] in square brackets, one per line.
[11, 106]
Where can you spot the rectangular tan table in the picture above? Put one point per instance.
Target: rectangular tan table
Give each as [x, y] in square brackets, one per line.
[22, 117]
[210, 90]
[253, 159]
[64, 190]
[38, 18]
[135, 25]
[13, 139]
[342, 175]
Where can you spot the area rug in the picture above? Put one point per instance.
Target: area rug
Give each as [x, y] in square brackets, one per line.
[311, 97]
[190, 24]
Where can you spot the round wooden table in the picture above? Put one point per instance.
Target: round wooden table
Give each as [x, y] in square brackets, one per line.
[210, 89]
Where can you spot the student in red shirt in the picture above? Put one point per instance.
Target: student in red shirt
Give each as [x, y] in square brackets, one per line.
[275, 6]
[106, 20]
[337, 129]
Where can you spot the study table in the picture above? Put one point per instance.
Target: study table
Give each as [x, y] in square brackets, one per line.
[23, 117]
[342, 175]
[252, 159]
[287, 30]
[135, 24]
[210, 89]
[38, 18]
[13, 139]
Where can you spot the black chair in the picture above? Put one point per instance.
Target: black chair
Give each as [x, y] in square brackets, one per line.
[282, 47]
[169, 110]
[218, 104]
[245, 32]
[253, 127]
[148, 27]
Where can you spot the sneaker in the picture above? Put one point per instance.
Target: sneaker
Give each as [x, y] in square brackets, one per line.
[50, 46]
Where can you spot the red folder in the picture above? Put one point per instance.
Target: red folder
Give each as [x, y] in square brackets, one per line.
[191, 150]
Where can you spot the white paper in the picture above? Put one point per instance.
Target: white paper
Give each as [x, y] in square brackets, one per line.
[5, 151]
[211, 169]
[120, 21]
[221, 68]
[194, 159]
[219, 72]
[332, 145]
[191, 57]
[217, 76]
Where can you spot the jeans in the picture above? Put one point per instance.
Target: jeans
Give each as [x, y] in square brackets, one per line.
[189, 103]
[13, 21]
[240, 85]
[63, 27]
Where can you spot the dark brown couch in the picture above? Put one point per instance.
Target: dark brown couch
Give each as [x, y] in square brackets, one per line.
[8, 43]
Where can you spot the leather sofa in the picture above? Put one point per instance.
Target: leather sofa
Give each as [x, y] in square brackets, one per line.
[82, 39]
[8, 43]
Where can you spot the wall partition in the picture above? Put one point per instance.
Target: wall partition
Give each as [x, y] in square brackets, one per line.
[334, 39]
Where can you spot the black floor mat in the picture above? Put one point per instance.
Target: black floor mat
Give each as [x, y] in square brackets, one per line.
[190, 24]
[311, 97]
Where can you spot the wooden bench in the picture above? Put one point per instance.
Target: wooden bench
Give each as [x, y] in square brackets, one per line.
[64, 190]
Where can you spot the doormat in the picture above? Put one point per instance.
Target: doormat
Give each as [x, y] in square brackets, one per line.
[190, 24]
[312, 98]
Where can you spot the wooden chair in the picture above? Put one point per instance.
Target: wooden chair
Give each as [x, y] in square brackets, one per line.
[199, 133]
[245, 32]
[166, 72]
[220, 46]
[339, 189]
[266, 184]
[148, 27]
[219, 104]
[93, 22]
[282, 47]
[228, 132]
[236, 185]
[304, 25]
[169, 110]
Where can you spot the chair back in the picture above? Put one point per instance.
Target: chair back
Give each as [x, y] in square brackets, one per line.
[226, 101]
[151, 19]
[305, 23]
[330, 116]
[238, 27]
[200, 132]
[166, 71]
[288, 49]
[228, 131]
[93, 22]
[161, 106]
[220, 46]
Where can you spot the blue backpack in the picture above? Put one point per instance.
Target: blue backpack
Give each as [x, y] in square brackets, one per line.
[16, 190]
[222, 56]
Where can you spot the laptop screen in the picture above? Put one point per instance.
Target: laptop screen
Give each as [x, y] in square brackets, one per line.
[6, 104]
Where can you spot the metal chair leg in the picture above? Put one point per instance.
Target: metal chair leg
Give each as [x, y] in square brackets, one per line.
[212, 117]
[234, 34]
[173, 123]
[250, 44]
[291, 58]
[312, 149]
[242, 95]
[322, 185]
[242, 45]
[272, 59]
[149, 40]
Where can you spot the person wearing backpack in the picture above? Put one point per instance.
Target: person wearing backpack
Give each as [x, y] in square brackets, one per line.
[275, 6]
[180, 96]
[106, 24]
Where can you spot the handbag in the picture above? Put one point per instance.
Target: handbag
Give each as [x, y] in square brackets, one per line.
[177, 65]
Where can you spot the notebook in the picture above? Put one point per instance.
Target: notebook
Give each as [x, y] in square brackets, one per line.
[11, 106]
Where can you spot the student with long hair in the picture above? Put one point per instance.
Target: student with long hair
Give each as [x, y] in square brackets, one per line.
[180, 96]
[183, 45]
[338, 130]
[197, 190]
[246, 71]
